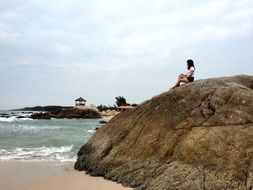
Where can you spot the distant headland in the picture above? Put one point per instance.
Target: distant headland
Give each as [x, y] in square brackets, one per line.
[43, 108]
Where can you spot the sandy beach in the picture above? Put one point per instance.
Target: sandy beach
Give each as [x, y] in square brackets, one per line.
[19, 175]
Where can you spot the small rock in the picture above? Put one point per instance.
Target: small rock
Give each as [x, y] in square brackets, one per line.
[102, 122]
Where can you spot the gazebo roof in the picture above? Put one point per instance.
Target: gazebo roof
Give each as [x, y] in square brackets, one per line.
[80, 99]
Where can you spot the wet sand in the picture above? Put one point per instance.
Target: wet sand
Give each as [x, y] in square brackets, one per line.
[18, 175]
[76, 181]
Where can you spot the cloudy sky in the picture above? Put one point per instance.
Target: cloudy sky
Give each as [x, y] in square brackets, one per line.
[53, 51]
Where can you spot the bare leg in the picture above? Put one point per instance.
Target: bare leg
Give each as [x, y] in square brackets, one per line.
[181, 78]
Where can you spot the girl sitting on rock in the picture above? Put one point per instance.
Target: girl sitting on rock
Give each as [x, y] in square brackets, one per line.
[188, 77]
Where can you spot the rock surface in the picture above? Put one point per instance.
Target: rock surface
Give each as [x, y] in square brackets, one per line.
[197, 136]
[110, 113]
[67, 113]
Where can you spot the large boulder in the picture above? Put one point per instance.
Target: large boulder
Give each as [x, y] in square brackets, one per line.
[197, 136]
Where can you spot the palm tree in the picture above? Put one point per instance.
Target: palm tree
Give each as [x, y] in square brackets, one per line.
[120, 101]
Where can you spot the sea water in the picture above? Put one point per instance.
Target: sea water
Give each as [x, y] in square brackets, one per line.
[43, 140]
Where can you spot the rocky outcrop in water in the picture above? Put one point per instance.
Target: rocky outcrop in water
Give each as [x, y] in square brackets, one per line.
[67, 113]
[197, 136]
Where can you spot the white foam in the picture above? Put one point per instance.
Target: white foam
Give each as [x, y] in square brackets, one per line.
[14, 118]
[63, 158]
[62, 154]
[9, 119]
[35, 128]
[90, 131]
[25, 119]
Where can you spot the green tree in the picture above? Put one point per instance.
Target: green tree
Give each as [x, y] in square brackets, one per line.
[102, 107]
[120, 101]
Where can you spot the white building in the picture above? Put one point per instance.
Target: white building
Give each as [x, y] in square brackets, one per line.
[80, 103]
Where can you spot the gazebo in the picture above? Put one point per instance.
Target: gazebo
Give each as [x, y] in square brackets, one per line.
[80, 102]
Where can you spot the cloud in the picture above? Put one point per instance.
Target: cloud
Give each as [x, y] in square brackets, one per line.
[73, 43]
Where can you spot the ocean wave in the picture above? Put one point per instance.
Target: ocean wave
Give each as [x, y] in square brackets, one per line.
[32, 128]
[9, 119]
[35, 128]
[60, 154]
[25, 119]
[14, 118]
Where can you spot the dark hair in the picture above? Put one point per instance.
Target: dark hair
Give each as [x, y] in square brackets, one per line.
[190, 64]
